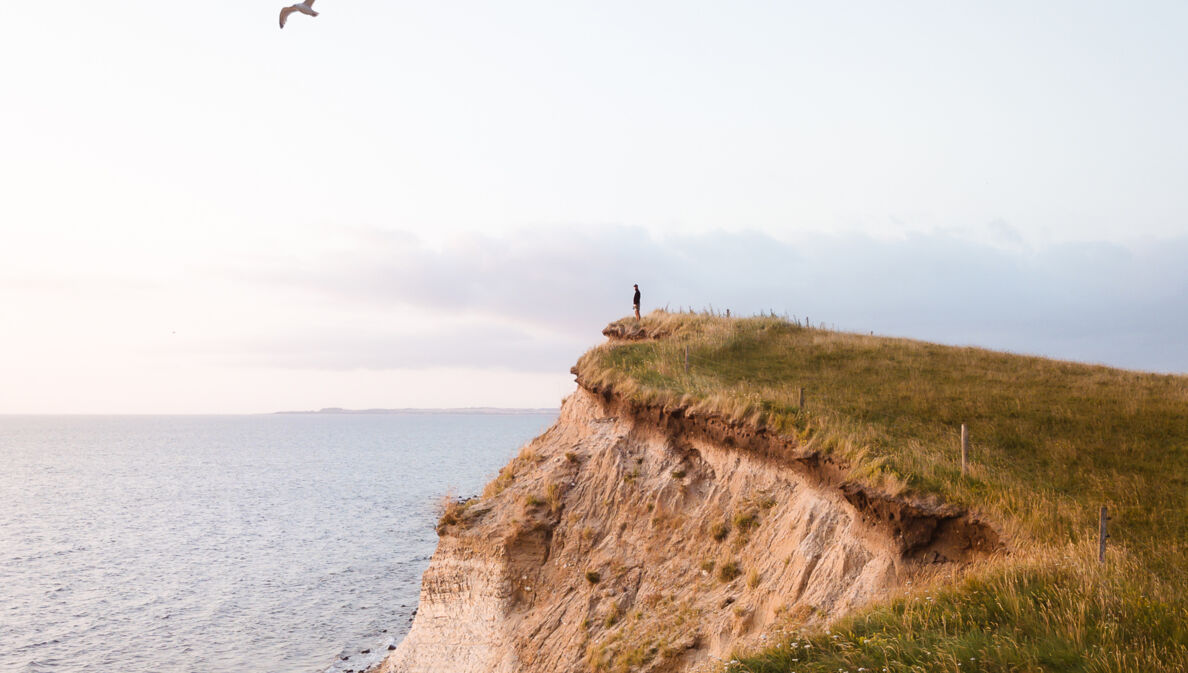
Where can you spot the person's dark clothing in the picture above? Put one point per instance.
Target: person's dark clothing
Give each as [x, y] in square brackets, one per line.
[635, 300]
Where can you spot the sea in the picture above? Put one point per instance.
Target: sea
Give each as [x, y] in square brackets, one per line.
[286, 543]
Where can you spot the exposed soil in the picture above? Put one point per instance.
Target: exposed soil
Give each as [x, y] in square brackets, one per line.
[925, 532]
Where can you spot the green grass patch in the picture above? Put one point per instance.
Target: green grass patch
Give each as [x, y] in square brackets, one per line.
[1051, 441]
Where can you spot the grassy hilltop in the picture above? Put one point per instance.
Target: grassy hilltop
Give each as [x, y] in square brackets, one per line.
[1051, 442]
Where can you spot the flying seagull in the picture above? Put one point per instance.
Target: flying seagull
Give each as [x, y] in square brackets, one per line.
[305, 7]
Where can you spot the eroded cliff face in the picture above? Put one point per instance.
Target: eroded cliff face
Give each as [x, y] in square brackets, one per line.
[633, 539]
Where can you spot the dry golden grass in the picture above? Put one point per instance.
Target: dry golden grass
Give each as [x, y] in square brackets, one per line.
[507, 474]
[643, 637]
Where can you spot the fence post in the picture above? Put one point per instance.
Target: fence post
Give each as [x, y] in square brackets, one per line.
[727, 313]
[800, 404]
[964, 448]
[686, 359]
[1102, 518]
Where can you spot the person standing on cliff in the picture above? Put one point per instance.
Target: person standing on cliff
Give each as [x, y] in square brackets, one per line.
[635, 301]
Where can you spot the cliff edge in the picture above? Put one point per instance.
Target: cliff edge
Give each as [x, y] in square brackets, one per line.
[630, 538]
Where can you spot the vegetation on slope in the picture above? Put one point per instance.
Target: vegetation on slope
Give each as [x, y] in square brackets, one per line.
[1051, 442]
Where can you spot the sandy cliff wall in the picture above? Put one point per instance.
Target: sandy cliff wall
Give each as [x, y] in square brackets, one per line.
[636, 539]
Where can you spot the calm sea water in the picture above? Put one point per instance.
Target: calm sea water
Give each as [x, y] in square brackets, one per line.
[226, 543]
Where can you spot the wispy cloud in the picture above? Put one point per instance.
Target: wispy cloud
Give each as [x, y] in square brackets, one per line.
[472, 345]
[1098, 302]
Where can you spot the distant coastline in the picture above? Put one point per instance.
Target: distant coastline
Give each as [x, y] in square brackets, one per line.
[490, 411]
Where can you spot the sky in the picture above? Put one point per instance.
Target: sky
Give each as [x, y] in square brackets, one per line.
[415, 204]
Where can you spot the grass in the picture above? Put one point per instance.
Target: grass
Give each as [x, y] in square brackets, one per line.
[720, 530]
[728, 571]
[746, 521]
[507, 474]
[632, 642]
[553, 497]
[453, 512]
[1051, 441]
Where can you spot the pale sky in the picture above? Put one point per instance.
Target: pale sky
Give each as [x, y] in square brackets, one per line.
[440, 204]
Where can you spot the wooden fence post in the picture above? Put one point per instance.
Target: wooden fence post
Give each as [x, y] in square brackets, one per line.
[800, 404]
[1102, 518]
[964, 448]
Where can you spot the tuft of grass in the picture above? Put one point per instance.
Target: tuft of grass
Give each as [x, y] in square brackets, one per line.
[746, 521]
[553, 497]
[753, 578]
[720, 530]
[679, 473]
[593, 576]
[453, 512]
[612, 616]
[1051, 442]
[507, 474]
[729, 571]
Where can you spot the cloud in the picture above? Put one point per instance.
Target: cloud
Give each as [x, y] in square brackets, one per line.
[1100, 302]
[467, 346]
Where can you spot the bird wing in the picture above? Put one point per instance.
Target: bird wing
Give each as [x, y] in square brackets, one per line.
[309, 3]
[285, 14]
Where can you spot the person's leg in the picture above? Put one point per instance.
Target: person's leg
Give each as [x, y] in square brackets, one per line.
[637, 311]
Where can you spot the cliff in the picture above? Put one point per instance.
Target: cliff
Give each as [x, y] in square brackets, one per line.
[693, 503]
[634, 538]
